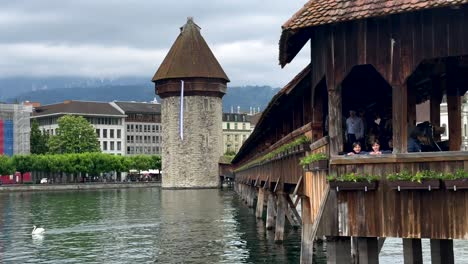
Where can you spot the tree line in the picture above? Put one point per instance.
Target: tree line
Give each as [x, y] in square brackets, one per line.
[76, 164]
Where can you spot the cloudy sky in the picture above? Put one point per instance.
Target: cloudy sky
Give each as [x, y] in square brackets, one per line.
[115, 38]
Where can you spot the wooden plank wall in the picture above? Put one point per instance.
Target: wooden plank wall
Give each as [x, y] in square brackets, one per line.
[439, 214]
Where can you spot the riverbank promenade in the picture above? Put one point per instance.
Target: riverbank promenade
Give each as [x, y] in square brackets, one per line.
[76, 186]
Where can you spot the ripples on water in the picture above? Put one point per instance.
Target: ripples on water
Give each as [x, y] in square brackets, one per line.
[147, 226]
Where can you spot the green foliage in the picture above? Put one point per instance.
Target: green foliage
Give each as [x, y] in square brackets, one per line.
[459, 174]
[91, 163]
[74, 135]
[418, 177]
[6, 165]
[38, 140]
[353, 177]
[313, 157]
[299, 141]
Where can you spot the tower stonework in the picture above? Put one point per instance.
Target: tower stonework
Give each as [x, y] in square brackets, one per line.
[191, 161]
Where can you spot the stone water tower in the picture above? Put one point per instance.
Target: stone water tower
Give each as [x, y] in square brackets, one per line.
[191, 84]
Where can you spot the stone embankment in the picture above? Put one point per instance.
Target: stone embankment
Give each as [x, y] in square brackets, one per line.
[77, 186]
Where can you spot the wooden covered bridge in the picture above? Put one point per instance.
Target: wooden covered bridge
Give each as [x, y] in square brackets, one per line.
[385, 57]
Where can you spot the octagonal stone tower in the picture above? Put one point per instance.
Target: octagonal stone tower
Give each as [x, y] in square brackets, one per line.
[191, 77]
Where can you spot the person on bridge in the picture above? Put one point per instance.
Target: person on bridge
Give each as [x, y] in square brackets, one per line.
[354, 128]
[357, 150]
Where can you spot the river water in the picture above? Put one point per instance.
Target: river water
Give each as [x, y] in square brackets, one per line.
[150, 226]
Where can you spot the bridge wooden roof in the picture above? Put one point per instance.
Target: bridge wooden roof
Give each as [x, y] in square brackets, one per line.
[263, 123]
[190, 57]
[322, 12]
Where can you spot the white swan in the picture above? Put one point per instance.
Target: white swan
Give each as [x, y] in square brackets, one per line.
[36, 231]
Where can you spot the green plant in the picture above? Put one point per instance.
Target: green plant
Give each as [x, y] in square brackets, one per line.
[353, 177]
[459, 174]
[418, 177]
[313, 157]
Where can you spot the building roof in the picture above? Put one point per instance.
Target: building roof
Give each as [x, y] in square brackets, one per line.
[319, 12]
[236, 117]
[138, 107]
[78, 108]
[190, 57]
[322, 12]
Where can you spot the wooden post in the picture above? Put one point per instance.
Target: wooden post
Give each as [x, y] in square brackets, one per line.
[436, 99]
[442, 251]
[280, 216]
[399, 118]
[260, 200]
[307, 243]
[338, 250]
[454, 120]
[412, 251]
[335, 120]
[368, 250]
[270, 219]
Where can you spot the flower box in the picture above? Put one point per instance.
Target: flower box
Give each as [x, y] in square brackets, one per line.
[353, 186]
[458, 184]
[318, 165]
[413, 185]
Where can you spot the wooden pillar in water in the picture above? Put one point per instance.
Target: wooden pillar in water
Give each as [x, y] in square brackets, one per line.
[282, 206]
[368, 250]
[307, 243]
[338, 250]
[412, 251]
[270, 219]
[442, 251]
[260, 200]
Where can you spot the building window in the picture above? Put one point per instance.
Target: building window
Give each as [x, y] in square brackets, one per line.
[228, 126]
[112, 133]
[98, 132]
[128, 128]
[112, 145]
[104, 145]
[119, 145]
[153, 127]
[104, 133]
[235, 126]
[119, 134]
[243, 126]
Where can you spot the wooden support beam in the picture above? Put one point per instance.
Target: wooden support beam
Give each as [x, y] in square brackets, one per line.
[260, 200]
[368, 250]
[454, 120]
[412, 251]
[335, 120]
[310, 226]
[280, 216]
[442, 251]
[298, 185]
[277, 184]
[256, 181]
[338, 250]
[399, 118]
[270, 219]
[292, 207]
[298, 198]
[265, 186]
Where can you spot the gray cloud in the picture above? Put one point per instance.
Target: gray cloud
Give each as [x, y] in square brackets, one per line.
[130, 38]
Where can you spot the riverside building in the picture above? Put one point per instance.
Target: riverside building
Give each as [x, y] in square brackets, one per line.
[122, 128]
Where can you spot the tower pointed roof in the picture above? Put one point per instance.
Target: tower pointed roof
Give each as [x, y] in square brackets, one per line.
[190, 57]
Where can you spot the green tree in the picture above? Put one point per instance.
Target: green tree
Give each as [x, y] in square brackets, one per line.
[6, 166]
[38, 140]
[74, 135]
[22, 163]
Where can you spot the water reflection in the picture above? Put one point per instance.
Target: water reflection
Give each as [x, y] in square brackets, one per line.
[151, 226]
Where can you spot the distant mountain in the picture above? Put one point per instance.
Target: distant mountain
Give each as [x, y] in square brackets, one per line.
[244, 97]
[13, 87]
